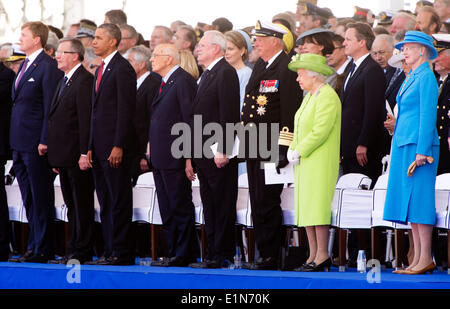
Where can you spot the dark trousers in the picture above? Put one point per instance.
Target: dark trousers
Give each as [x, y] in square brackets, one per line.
[35, 179]
[265, 202]
[77, 187]
[218, 190]
[4, 215]
[115, 196]
[174, 193]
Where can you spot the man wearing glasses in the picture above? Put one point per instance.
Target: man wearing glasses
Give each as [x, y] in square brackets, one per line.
[68, 138]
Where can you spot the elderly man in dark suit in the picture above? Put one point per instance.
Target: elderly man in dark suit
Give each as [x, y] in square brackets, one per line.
[217, 102]
[147, 88]
[6, 82]
[110, 149]
[172, 106]
[32, 95]
[272, 97]
[68, 138]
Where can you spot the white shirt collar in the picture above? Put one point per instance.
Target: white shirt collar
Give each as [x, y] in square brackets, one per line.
[341, 69]
[141, 79]
[212, 64]
[360, 60]
[71, 72]
[107, 60]
[33, 57]
[271, 60]
[166, 78]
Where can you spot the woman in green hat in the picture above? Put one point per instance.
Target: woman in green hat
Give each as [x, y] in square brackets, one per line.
[317, 129]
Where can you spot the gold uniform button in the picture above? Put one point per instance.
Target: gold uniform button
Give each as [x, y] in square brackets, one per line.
[248, 96]
[439, 137]
[441, 127]
[251, 125]
[253, 98]
[251, 115]
[253, 106]
[242, 122]
[438, 107]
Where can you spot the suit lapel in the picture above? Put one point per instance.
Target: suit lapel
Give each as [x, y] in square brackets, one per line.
[166, 87]
[28, 72]
[66, 91]
[106, 74]
[355, 75]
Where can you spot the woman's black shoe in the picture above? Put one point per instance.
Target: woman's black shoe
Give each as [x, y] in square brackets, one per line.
[313, 267]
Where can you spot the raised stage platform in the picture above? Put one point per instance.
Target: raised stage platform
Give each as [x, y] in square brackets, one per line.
[47, 276]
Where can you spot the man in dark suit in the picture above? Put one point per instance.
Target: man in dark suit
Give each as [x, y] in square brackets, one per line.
[363, 106]
[110, 149]
[363, 137]
[68, 138]
[442, 67]
[173, 105]
[6, 82]
[147, 88]
[32, 95]
[272, 97]
[217, 102]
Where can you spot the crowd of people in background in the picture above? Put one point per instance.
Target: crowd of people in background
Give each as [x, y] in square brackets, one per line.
[97, 105]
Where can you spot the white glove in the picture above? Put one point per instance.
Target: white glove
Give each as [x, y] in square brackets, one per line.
[292, 155]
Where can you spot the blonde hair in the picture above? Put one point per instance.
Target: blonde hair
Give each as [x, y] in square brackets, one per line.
[188, 63]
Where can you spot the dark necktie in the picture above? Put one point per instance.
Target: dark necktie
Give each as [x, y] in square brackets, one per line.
[99, 76]
[161, 87]
[350, 75]
[63, 86]
[203, 78]
[24, 68]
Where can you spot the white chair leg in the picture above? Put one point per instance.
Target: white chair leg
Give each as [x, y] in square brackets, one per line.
[331, 238]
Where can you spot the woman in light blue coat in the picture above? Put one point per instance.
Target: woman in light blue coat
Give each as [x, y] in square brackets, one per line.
[412, 198]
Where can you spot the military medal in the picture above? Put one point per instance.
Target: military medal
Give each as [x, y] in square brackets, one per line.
[261, 100]
[261, 110]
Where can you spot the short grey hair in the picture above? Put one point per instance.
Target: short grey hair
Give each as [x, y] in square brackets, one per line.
[389, 39]
[167, 32]
[131, 31]
[142, 54]
[89, 54]
[76, 46]
[169, 49]
[411, 20]
[217, 38]
[322, 78]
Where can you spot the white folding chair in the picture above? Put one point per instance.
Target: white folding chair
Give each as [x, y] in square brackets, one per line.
[16, 208]
[60, 205]
[351, 209]
[143, 198]
[244, 219]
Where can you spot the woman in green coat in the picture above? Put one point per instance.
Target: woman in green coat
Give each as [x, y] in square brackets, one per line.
[317, 130]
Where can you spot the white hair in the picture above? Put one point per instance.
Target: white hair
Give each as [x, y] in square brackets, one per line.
[322, 78]
[217, 38]
[142, 54]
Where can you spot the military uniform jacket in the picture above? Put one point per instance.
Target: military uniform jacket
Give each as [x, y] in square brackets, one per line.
[272, 96]
[443, 126]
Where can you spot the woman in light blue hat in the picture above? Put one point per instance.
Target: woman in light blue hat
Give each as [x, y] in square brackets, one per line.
[415, 151]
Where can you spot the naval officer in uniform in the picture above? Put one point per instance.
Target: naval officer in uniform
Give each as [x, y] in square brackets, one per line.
[272, 97]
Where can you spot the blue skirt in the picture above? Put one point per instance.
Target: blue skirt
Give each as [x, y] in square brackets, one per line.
[411, 199]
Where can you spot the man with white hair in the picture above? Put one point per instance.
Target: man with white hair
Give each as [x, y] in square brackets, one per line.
[147, 87]
[217, 102]
[272, 97]
[172, 105]
[402, 21]
[129, 39]
[160, 35]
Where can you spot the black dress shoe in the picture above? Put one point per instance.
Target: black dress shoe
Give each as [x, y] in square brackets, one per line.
[38, 258]
[117, 261]
[262, 264]
[178, 261]
[20, 259]
[207, 264]
[313, 267]
[63, 260]
[99, 261]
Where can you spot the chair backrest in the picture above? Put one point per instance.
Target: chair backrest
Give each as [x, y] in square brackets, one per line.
[382, 182]
[56, 182]
[145, 180]
[353, 181]
[443, 182]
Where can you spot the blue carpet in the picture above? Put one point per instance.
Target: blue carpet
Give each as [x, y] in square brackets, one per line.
[47, 276]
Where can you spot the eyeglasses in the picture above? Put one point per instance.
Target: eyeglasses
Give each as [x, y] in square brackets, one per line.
[61, 53]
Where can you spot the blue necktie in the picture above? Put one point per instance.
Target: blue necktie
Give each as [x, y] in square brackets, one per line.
[63, 86]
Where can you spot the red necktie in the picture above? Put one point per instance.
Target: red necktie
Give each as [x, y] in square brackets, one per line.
[162, 85]
[99, 75]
